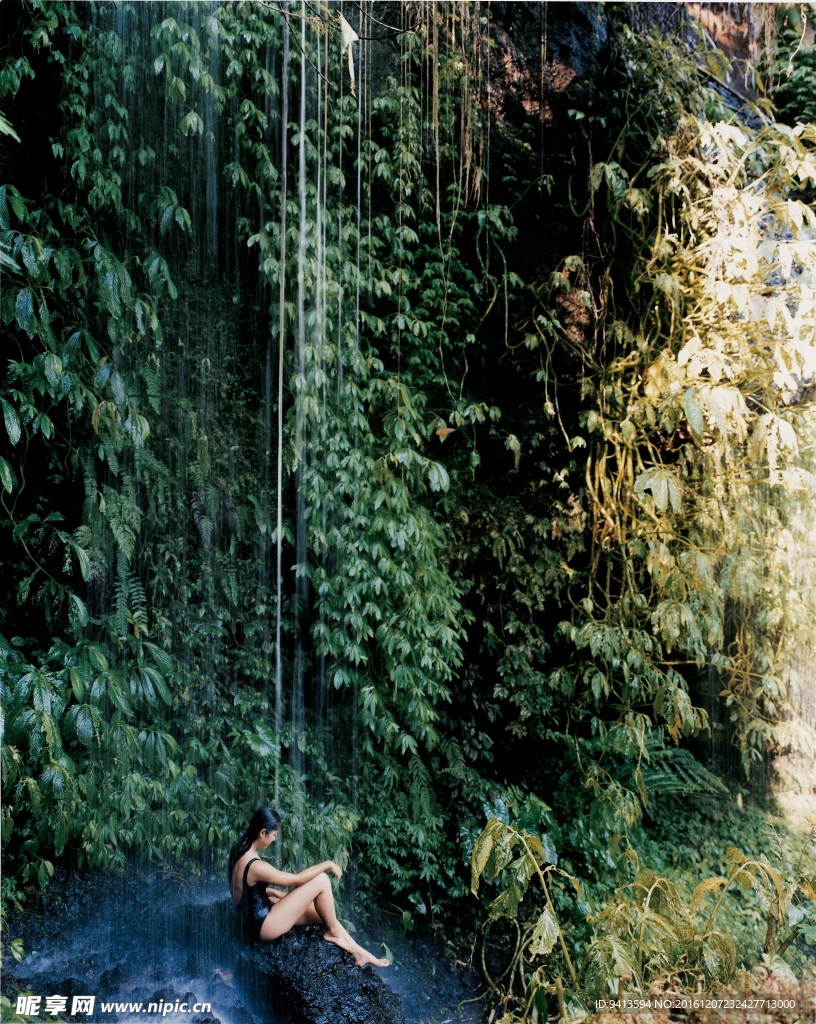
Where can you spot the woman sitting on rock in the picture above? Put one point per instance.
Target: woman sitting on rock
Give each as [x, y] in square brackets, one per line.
[268, 913]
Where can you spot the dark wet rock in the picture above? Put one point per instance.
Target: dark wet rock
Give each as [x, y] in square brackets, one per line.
[236, 1013]
[323, 984]
[162, 995]
[113, 981]
[71, 987]
[538, 81]
[310, 980]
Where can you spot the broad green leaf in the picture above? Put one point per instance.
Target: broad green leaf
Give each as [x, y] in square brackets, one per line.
[25, 311]
[77, 684]
[84, 560]
[7, 477]
[545, 933]
[80, 611]
[84, 725]
[53, 368]
[438, 477]
[11, 420]
[117, 695]
[98, 656]
[159, 682]
[117, 387]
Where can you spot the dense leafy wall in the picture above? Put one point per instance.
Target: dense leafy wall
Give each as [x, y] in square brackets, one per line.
[364, 458]
[147, 297]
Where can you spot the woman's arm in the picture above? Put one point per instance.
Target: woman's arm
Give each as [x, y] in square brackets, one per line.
[261, 871]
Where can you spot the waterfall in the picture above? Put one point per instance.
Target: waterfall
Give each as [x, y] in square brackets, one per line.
[281, 364]
[301, 440]
[242, 251]
[257, 554]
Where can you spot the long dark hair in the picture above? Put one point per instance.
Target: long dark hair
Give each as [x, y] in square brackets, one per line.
[263, 818]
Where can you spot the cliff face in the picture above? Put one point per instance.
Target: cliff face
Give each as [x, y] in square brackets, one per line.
[546, 58]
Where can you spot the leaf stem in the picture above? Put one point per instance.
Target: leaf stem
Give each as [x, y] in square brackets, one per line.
[561, 941]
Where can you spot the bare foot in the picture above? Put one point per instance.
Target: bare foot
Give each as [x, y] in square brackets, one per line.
[362, 958]
[339, 939]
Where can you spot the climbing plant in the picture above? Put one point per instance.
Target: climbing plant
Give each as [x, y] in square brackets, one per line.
[108, 324]
[327, 484]
[697, 418]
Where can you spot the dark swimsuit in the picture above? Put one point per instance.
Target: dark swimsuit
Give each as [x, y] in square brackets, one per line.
[253, 906]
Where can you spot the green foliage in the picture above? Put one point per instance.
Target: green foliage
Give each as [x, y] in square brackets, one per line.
[793, 74]
[647, 932]
[528, 498]
[139, 705]
[663, 550]
[694, 429]
[695, 424]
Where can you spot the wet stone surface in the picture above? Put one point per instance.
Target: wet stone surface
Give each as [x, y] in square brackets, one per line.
[321, 982]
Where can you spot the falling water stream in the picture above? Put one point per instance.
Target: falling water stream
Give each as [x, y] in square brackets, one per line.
[308, 307]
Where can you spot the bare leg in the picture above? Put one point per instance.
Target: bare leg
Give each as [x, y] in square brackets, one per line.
[313, 903]
[311, 917]
[361, 955]
[290, 908]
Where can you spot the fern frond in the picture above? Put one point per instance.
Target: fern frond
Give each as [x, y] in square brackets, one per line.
[138, 598]
[230, 582]
[423, 804]
[213, 498]
[89, 476]
[123, 517]
[111, 455]
[675, 771]
[152, 386]
[456, 759]
[121, 594]
[148, 464]
[206, 528]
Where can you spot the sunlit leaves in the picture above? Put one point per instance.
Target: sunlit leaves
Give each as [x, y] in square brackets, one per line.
[545, 933]
[664, 485]
[687, 443]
